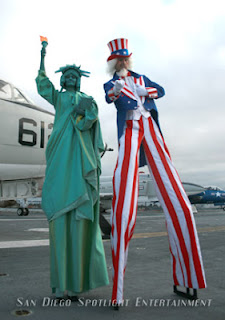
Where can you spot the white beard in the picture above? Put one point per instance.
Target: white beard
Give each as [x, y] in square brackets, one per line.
[122, 73]
[111, 64]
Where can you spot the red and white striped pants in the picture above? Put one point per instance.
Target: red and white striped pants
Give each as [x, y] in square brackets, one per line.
[184, 245]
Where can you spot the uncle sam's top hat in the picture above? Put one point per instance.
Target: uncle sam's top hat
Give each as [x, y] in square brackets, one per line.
[118, 49]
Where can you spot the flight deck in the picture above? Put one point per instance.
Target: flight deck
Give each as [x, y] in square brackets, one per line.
[148, 293]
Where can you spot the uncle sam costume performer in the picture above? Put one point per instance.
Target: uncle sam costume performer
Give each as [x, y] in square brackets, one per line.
[141, 142]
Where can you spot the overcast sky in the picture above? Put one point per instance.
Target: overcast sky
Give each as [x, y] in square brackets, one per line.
[178, 44]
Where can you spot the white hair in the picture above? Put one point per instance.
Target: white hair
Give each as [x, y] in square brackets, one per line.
[111, 66]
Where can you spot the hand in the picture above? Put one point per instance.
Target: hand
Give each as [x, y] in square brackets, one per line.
[43, 51]
[42, 64]
[119, 84]
[141, 91]
[80, 111]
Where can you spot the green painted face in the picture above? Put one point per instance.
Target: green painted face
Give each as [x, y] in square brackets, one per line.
[70, 79]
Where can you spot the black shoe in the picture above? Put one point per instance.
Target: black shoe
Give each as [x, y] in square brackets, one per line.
[116, 307]
[73, 298]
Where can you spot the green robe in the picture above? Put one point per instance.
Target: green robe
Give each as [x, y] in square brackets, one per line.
[70, 194]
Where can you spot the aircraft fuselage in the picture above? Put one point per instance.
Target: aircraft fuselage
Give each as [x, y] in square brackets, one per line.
[25, 130]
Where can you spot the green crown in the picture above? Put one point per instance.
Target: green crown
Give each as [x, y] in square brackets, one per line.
[77, 70]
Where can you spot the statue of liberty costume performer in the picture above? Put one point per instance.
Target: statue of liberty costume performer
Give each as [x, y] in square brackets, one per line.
[70, 194]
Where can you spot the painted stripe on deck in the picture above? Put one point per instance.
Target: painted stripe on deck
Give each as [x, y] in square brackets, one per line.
[23, 244]
[39, 243]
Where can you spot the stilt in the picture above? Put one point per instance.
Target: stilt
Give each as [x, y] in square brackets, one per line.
[186, 294]
[105, 226]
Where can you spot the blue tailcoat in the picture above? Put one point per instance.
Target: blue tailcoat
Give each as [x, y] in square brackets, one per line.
[125, 103]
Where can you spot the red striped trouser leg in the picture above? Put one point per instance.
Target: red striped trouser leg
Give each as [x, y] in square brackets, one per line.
[125, 184]
[184, 245]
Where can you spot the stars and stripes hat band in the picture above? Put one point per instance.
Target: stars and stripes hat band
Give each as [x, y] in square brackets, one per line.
[118, 48]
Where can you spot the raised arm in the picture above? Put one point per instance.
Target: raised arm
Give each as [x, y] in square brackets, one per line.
[43, 54]
[44, 86]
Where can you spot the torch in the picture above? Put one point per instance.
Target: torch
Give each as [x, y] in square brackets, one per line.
[44, 41]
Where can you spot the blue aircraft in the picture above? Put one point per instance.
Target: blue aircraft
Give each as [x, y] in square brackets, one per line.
[211, 195]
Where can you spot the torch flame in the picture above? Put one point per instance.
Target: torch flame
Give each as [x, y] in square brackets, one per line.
[43, 39]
